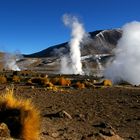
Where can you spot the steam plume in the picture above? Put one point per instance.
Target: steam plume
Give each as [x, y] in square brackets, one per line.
[65, 66]
[10, 62]
[126, 65]
[77, 35]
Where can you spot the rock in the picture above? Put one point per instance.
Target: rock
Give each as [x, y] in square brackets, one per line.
[114, 137]
[4, 131]
[55, 134]
[106, 132]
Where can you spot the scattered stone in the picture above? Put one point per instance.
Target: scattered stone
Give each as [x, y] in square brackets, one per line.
[55, 134]
[80, 117]
[59, 114]
[114, 137]
[67, 114]
[106, 132]
[4, 131]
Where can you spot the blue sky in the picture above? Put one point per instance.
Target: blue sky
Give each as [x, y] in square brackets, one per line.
[33, 25]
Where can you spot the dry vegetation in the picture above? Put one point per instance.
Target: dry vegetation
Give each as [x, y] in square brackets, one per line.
[36, 79]
[3, 79]
[67, 111]
[107, 82]
[79, 85]
[16, 79]
[20, 115]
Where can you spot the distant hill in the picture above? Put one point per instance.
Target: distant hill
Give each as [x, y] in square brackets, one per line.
[101, 42]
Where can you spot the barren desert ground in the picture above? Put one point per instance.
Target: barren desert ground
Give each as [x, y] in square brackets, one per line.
[84, 114]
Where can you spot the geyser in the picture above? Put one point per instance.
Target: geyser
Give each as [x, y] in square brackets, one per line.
[126, 64]
[11, 62]
[74, 65]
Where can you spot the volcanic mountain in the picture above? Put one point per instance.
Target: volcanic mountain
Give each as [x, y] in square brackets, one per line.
[100, 45]
[101, 42]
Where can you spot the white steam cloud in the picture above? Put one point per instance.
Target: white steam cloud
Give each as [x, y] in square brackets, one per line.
[11, 62]
[77, 35]
[126, 65]
[65, 66]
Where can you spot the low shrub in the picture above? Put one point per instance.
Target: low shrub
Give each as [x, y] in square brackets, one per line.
[3, 79]
[16, 79]
[20, 115]
[79, 85]
[60, 81]
[64, 82]
[107, 82]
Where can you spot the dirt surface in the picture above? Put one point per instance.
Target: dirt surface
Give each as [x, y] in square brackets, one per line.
[84, 114]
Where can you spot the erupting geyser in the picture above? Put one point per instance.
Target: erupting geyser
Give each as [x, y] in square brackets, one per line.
[10, 62]
[77, 35]
[126, 64]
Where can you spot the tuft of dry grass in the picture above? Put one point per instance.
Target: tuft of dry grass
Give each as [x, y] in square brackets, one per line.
[16, 79]
[61, 81]
[3, 79]
[107, 82]
[79, 85]
[20, 115]
[64, 82]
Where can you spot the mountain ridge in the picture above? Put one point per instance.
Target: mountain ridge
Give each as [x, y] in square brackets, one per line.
[101, 41]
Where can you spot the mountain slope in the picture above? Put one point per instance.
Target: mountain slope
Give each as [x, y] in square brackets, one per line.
[100, 42]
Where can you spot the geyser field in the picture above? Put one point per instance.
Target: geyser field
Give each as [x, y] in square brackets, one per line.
[81, 93]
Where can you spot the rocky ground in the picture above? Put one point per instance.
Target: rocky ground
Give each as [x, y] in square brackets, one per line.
[110, 113]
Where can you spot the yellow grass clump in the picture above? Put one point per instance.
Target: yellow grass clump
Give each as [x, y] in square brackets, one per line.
[16, 79]
[64, 82]
[3, 79]
[61, 81]
[79, 85]
[20, 115]
[107, 82]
